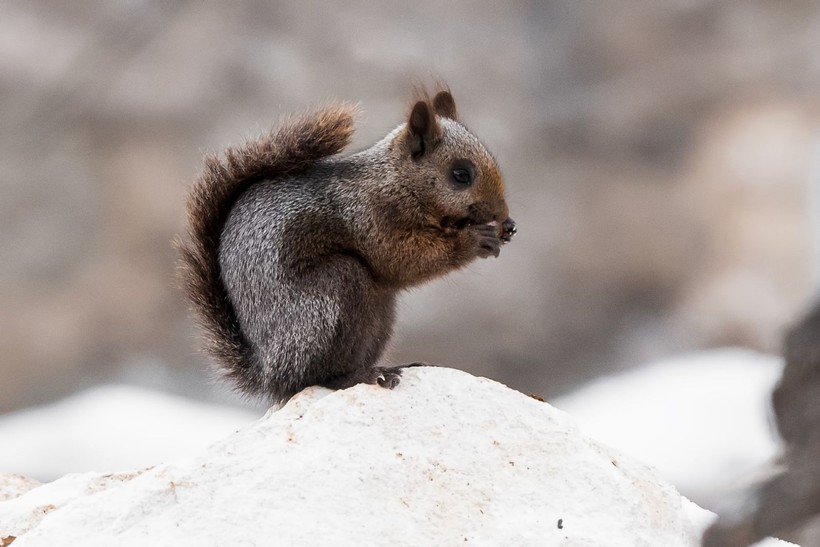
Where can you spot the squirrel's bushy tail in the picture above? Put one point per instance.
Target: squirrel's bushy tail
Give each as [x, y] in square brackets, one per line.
[289, 149]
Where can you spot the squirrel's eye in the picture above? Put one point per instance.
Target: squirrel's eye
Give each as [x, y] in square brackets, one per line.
[462, 176]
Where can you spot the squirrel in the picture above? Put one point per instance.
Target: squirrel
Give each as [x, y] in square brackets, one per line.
[295, 255]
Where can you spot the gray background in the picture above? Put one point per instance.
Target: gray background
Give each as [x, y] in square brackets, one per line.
[658, 158]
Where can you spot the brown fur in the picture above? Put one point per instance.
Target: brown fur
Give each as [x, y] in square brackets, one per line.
[444, 105]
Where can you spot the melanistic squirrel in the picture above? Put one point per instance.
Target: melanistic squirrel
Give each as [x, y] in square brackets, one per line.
[295, 255]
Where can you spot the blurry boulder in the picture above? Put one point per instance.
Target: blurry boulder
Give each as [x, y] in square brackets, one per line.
[792, 496]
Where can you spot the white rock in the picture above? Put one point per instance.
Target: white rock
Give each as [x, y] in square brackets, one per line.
[444, 459]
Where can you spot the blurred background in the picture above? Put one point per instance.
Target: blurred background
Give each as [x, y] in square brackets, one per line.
[662, 161]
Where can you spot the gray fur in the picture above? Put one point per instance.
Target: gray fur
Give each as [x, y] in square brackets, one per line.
[303, 297]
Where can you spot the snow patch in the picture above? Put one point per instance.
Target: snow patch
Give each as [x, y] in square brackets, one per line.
[702, 419]
[109, 428]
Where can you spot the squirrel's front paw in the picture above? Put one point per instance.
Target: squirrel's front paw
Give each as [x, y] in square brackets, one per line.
[486, 240]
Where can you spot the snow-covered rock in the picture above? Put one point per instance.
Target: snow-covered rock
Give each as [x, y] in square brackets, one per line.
[444, 459]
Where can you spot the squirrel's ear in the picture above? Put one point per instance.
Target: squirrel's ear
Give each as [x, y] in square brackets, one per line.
[445, 105]
[422, 129]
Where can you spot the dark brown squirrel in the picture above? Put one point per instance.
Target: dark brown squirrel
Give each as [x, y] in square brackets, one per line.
[295, 255]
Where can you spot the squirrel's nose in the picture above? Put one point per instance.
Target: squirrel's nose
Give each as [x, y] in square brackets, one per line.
[508, 229]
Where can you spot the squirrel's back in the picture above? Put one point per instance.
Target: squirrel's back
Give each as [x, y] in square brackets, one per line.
[293, 147]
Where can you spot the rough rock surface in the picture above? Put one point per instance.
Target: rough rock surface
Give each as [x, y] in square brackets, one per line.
[444, 459]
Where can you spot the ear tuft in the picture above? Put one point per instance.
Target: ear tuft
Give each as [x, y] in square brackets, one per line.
[422, 128]
[445, 105]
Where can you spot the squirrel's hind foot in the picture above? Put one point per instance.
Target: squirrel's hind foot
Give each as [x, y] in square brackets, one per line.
[388, 377]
